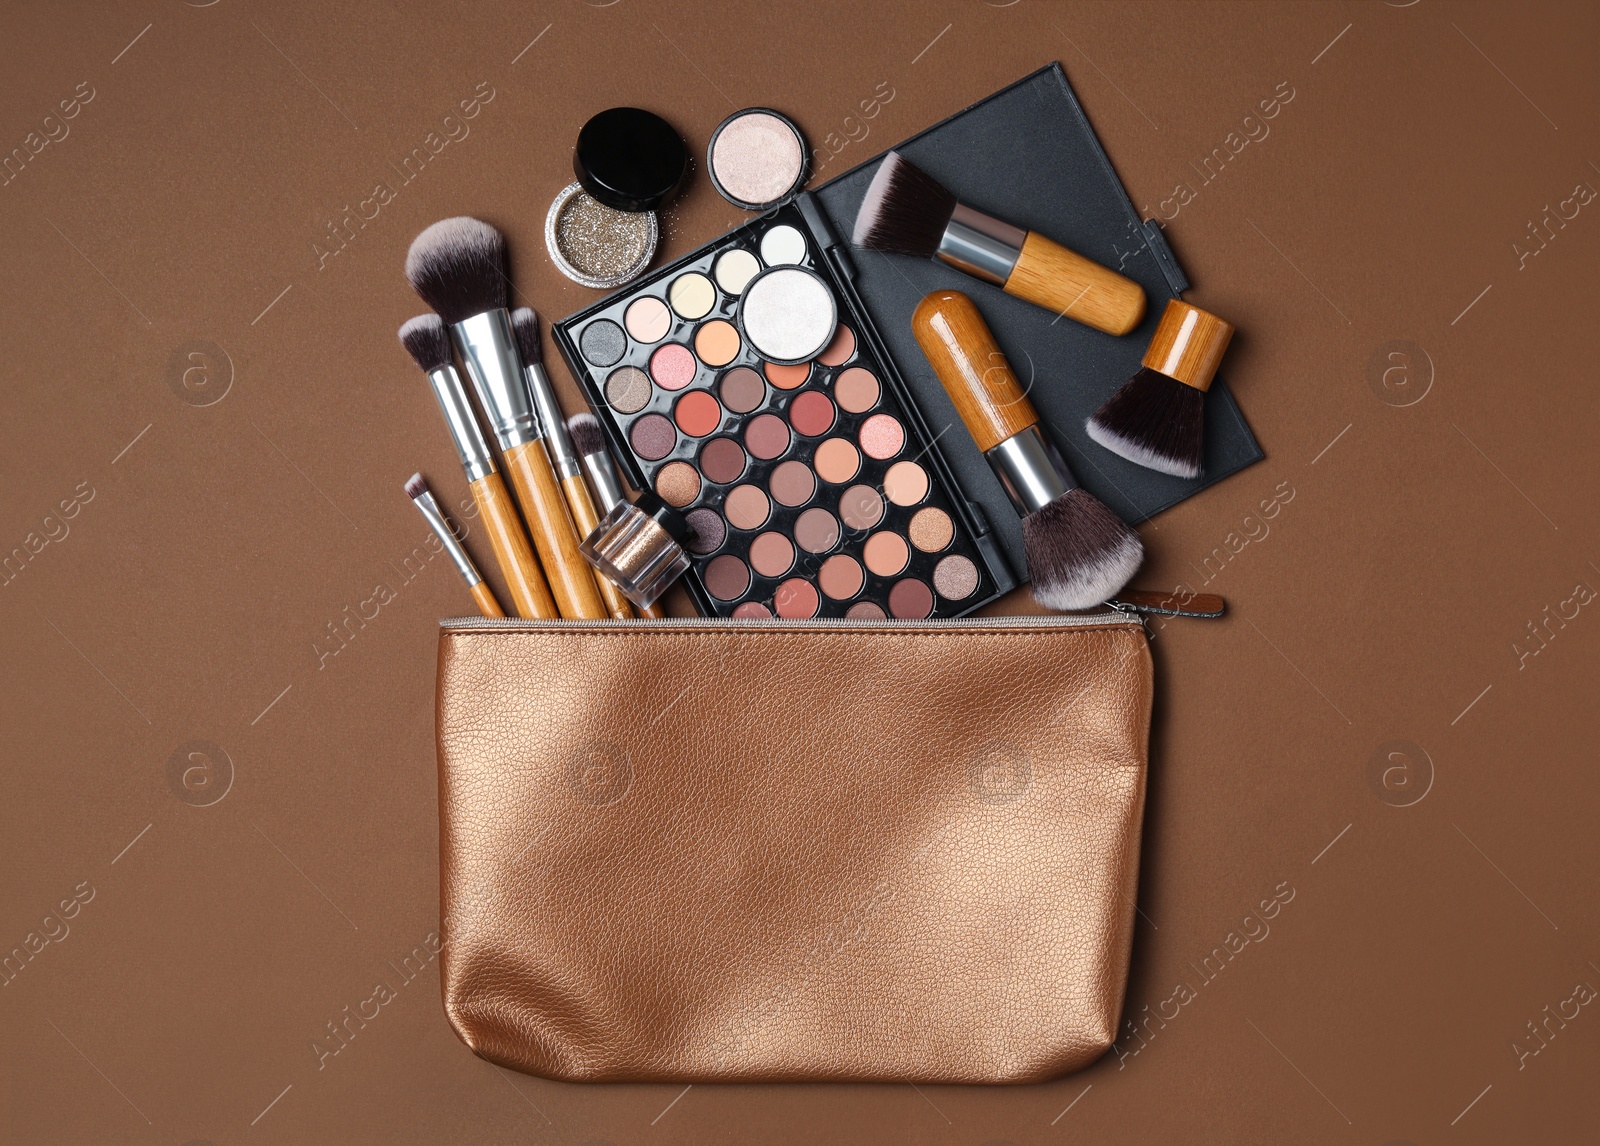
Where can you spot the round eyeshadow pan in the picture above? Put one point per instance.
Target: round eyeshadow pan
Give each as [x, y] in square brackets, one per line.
[857, 389]
[647, 319]
[672, 366]
[628, 389]
[747, 507]
[882, 437]
[603, 342]
[722, 461]
[817, 531]
[726, 578]
[796, 599]
[752, 611]
[886, 553]
[735, 269]
[811, 413]
[861, 507]
[931, 530]
[910, 600]
[697, 413]
[788, 314]
[788, 377]
[906, 483]
[837, 461]
[742, 390]
[717, 342]
[841, 577]
[838, 351]
[710, 531]
[771, 554]
[955, 577]
[678, 483]
[766, 436]
[866, 611]
[792, 483]
[783, 244]
[756, 158]
[652, 437]
[692, 295]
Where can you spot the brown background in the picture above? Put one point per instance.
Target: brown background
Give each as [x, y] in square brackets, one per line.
[224, 519]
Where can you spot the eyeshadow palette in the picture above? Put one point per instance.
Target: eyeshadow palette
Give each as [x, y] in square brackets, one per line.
[811, 482]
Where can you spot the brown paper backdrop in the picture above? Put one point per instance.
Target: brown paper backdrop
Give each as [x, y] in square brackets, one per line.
[226, 415]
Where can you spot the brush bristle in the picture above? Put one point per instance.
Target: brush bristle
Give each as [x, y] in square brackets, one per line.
[427, 341]
[1154, 421]
[587, 437]
[525, 324]
[905, 211]
[458, 266]
[1079, 552]
[415, 486]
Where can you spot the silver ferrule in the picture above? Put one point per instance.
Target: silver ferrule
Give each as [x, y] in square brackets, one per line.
[556, 439]
[489, 352]
[441, 528]
[604, 480]
[983, 246]
[1031, 469]
[461, 422]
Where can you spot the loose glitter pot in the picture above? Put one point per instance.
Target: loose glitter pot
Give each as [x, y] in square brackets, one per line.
[641, 546]
[597, 246]
[757, 158]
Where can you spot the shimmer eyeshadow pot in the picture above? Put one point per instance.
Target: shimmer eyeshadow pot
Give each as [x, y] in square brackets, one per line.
[746, 385]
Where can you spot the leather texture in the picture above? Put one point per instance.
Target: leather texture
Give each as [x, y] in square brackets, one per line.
[725, 852]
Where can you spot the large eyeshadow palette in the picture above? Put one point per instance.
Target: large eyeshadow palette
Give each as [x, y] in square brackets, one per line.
[814, 488]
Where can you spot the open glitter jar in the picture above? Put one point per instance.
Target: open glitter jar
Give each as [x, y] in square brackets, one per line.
[595, 245]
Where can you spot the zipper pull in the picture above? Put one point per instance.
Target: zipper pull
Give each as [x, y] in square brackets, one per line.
[1177, 603]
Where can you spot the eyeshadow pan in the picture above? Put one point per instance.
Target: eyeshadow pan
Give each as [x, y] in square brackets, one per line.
[717, 342]
[788, 377]
[882, 437]
[841, 577]
[866, 611]
[861, 507]
[747, 507]
[906, 483]
[756, 158]
[837, 461]
[603, 342]
[783, 244]
[886, 553]
[793, 483]
[840, 349]
[678, 483]
[722, 461]
[672, 366]
[742, 390]
[752, 611]
[817, 531]
[726, 578]
[710, 531]
[857, 389]
[796, 599]
[652, 437]
[931, 530]
[910, 600]
[735, 269]
[697, 413]
[788, 314]
[628, 389]
[771, 554]
[766, 436]
[647, 319]
[692, 295]
[956, 577]
[811, 413]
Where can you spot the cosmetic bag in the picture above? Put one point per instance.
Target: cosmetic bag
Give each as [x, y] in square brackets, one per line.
[698, 850]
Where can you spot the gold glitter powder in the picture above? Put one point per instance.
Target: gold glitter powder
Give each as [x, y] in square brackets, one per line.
[600, 242]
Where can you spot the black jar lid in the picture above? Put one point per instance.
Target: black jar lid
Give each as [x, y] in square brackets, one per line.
[629, 159]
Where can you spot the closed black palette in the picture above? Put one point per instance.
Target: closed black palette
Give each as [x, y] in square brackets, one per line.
[814, 489]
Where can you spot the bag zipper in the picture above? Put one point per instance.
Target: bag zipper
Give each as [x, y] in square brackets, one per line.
[1052, 620]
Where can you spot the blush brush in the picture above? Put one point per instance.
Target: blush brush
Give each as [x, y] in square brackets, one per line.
[1079, 552]
[908, 212]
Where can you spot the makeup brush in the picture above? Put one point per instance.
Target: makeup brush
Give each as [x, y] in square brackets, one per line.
[1157, 418]
[425, 340]
[589, 441]
[1079, 552]
[458, 266]
[422, 497]
[908, 212]
[568, 469]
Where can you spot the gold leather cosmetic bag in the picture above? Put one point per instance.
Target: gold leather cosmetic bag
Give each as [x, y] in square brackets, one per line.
[751, 851]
